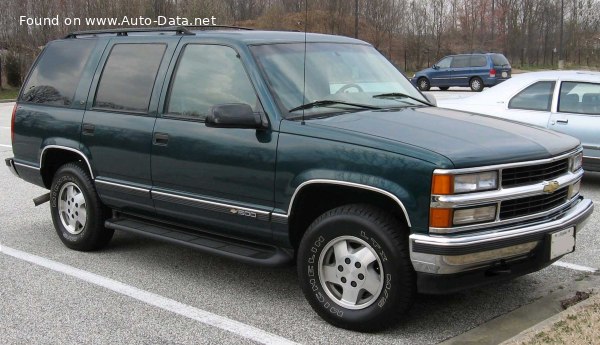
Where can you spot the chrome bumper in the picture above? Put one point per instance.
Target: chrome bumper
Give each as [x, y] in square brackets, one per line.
[10, 163]
[437, 254]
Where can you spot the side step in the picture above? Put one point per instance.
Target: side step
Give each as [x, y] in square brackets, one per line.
[235, 249]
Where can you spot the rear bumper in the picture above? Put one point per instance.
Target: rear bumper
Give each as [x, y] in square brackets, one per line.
[451, 263]
[10, 163]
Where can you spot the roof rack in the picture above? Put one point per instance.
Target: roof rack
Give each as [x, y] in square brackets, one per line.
[179, 30]
[205, 27]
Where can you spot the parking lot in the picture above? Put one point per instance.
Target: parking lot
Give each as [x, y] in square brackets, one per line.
[144, 291]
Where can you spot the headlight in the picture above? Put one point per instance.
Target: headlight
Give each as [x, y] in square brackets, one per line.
[577, 161]
[474, 215]
[465, 183]
[414, 75]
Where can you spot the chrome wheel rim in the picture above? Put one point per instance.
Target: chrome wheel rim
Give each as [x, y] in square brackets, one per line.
[476, 84]
[423, 84]
[71, 208]
[351, 272]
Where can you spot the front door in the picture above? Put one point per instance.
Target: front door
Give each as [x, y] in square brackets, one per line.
[220, 179]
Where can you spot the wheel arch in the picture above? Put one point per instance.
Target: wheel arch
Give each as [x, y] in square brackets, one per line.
[303, 209]
[54, 156]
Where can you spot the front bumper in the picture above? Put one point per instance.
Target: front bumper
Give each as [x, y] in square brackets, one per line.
[442, 259]
[10, 163]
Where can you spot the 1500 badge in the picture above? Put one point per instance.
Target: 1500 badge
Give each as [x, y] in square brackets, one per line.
[243, 213]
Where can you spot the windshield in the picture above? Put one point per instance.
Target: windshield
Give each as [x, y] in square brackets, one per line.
[350, 73]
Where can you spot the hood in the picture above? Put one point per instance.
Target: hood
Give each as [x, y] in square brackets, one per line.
[466, 139]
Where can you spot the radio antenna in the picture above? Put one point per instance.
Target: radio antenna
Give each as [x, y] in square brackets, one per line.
[304, 80]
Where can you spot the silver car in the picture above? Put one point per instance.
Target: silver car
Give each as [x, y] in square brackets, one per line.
[564, 101]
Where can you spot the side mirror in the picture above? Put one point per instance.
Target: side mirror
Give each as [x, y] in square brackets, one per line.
[431, 98]
[233, 115]
[435, 66]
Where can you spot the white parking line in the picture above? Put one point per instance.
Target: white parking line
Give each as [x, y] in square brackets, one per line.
[9, 146]
[575, 267]
[173, 306]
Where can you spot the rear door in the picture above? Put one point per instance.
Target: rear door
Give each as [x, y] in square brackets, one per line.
[578, 114]
[120, 116]
[502, 66]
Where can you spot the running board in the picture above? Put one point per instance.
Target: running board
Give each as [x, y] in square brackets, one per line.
[235, 249]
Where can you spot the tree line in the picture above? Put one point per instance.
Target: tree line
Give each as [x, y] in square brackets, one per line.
[411, 33]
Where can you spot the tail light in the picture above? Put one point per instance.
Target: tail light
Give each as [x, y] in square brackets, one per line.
[492, 73]
[12, 125]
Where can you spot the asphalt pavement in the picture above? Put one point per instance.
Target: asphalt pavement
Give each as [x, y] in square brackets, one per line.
[143, 291]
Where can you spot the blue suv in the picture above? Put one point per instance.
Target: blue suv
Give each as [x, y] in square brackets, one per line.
[473, 70]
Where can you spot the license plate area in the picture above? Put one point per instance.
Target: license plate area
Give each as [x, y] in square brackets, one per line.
[562, 242]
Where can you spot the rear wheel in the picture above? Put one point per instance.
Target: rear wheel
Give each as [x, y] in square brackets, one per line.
[77, 212]
[476, 84]
[423, 84]
[355, 270]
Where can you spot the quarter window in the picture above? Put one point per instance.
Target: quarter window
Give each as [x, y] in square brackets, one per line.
[128, 77]
[537, 96]
[208, 75]
[582, 98]
[478, 61]
[55, 78]
[460, 61]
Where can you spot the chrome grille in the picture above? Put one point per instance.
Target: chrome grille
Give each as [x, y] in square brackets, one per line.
[530, 174]
[533, 204]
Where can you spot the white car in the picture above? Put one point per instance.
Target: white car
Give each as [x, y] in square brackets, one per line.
[564, 101]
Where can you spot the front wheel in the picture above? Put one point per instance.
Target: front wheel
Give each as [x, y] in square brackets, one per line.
[77, 212]
[355, 270]
[423, 84]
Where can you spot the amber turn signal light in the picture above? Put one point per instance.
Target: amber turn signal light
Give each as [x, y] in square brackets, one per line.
[440, 217]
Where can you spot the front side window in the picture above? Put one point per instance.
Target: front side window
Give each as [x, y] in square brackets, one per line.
[537, 96]
[336, 72]
[444, 63]
[128, 77]
[579, 97]
[209, 75]
[55, 78]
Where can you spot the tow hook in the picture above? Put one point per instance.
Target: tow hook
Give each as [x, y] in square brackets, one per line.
[41, 199]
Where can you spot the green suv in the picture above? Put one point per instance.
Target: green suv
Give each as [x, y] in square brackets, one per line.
[275, 147]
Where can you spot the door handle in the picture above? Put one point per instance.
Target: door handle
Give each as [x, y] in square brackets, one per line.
[562, 121]
[88, 129]
[161, 139]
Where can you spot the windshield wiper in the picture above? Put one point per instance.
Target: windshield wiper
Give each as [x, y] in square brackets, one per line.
[399, 95]
[328, 103]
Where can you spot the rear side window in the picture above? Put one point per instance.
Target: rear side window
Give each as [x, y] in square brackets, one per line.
[537, 96]
[55, 77]
[128, 77]
[478, 61]
[460, 61]
[499, 60]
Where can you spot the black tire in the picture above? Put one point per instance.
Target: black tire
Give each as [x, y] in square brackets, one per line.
[423, 84]
[92, 235]
[389, 240]
[444, 88]
[476, 84]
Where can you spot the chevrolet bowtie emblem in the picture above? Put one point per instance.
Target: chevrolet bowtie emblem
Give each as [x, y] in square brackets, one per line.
[551, 187]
